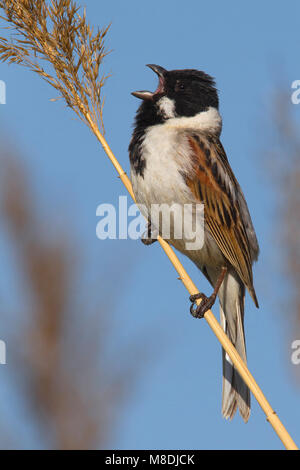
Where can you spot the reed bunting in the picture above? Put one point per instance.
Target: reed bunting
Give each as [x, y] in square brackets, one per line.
[177, 158]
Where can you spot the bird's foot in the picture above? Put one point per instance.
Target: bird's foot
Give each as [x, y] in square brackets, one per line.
[148, 241]
[198, 311]
[150, 235]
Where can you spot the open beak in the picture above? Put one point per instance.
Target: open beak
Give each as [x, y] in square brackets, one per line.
[148, 95]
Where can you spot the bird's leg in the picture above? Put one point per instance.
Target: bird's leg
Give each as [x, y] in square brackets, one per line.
[206, 302]
[150, 235]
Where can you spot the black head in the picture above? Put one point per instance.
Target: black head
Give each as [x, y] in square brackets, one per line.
[187, 92]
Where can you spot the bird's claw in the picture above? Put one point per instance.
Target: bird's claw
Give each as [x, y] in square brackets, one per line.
[199, 311]
[148, 241]
[150, 235]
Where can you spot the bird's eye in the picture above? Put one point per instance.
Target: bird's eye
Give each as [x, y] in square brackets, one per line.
[179, 86]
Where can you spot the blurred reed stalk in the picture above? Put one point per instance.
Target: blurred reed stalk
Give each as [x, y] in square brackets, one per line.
[283, 166]
[72, 387]
[54, 32]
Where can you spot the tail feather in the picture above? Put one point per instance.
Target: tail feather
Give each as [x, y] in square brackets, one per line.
[235, 393]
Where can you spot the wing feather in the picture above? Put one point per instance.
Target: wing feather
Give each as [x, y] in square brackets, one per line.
[214, 184]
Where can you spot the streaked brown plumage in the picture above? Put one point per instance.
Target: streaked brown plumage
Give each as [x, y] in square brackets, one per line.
[223, 214]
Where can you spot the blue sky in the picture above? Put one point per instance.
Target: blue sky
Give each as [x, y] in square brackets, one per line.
[249, 48]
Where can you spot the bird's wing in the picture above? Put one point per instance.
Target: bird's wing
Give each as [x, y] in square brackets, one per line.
[213, 183]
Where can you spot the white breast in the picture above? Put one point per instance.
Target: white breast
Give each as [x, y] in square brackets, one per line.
[165, 152]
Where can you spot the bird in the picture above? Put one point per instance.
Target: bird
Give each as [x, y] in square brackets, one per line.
[177, 158]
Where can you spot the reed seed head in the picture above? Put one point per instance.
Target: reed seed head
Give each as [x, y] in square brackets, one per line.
[54, 39]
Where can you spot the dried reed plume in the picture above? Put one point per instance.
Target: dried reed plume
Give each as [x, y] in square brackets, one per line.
[54, 32]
